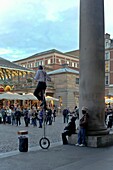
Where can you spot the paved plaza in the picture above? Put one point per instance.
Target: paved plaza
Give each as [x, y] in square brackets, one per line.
[57, 157]
[9, 137]
[60, 157]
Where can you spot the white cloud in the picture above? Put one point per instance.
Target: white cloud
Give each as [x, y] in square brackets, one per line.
[12, 54]
[48, 9]
[5, 51]
[54, 8]
[26, 27]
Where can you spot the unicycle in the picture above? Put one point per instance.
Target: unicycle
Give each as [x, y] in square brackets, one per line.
[44, 141]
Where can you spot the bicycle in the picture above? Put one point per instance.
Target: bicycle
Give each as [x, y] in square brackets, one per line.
[44, 141]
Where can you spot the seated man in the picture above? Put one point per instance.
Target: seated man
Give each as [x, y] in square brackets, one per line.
[109, 121]
[69, 130]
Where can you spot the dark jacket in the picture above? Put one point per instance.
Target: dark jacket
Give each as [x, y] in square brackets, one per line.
[18, 114]
[71, 127]
[65, 112]
[84, 121]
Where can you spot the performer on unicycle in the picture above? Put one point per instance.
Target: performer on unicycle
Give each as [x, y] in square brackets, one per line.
[41, 76]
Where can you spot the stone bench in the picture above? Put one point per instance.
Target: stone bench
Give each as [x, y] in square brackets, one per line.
[93, 141]
[72, 140]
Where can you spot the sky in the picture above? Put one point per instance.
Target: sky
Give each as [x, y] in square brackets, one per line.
[28, 27]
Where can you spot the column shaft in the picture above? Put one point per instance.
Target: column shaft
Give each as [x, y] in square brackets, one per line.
[92, 64]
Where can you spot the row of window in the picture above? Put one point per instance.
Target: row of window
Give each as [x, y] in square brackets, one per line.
[107, 43]
[59, 61]
[72, 64]
[49, 61]
[31, 65]
[107, 66]
[106, 80]
[107, 55]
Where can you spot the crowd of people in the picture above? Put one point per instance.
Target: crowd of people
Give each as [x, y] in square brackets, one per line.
[13, 115]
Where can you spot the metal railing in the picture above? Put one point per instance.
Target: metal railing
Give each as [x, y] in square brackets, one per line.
[23, 85]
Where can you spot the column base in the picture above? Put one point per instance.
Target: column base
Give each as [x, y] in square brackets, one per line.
[94, 141]
[100, 141]
[98, 132]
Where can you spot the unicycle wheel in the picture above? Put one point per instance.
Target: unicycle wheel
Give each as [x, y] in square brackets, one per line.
[44, 143]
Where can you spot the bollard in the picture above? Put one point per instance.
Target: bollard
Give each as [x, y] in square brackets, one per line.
[23, 140]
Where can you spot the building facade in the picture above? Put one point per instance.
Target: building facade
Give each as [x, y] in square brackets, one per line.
[54, 60]
[64, 84]
[51, 60]
[108, 65]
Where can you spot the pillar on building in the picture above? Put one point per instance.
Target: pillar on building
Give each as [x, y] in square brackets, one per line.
[92, 64]
[18, 77]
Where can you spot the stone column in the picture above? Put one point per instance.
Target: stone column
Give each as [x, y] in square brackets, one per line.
[92, 64]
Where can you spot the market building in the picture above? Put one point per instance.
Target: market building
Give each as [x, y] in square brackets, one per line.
[13, 75]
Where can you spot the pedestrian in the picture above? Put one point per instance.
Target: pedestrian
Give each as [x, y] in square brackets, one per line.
[26, 117]
[0, 117]
[18, 116]
[76, 112]
[54, 113]
[12, 116]
[41, 76]
[34, 117]
[49, 116]
[4, 115]
[109, 121]
[65, 115]
[40, 117]
[8, 112]
[69, 130]
[83, 127]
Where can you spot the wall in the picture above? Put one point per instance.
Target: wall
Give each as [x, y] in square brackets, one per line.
[66, 87]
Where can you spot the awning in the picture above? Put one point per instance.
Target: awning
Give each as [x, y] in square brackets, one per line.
[49, 98]
[11, 96]
[29, 96]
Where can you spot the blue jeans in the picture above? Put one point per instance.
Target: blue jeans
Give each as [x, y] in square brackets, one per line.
[34, 122]
[81, 136]
[40, 123]
[66, 118]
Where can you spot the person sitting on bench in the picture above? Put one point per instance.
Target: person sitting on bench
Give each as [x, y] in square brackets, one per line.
[69, 130]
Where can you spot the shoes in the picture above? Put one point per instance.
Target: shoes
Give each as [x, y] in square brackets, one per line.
[81, 145]
[77, 144]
